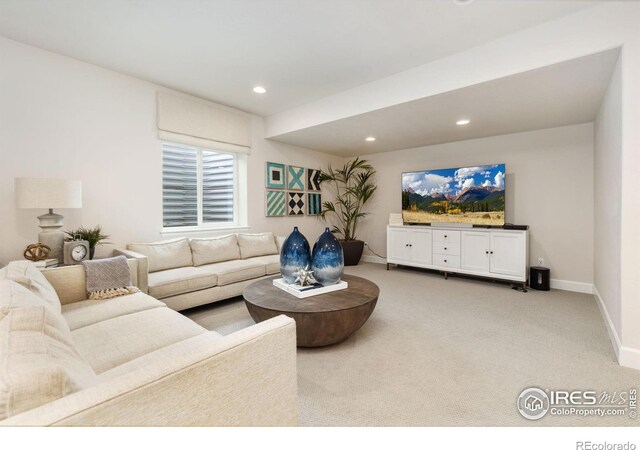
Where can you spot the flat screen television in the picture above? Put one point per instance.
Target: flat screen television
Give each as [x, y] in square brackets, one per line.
[471, 195]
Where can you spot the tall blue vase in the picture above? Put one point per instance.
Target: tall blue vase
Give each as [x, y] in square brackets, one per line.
[294, 255]
[327, 260]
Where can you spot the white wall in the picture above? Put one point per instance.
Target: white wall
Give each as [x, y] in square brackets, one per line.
[549, 186]
[607, 185]
[63, 118]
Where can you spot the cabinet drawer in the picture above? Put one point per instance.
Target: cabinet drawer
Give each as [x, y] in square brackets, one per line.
[446, 236]
[446, 261]
[446, 248]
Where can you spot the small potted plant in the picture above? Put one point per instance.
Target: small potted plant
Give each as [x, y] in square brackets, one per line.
[92, 235]
[353, 187]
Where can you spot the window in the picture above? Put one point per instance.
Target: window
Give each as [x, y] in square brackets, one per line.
[199, 187]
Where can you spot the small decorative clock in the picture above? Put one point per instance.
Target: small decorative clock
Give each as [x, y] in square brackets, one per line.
[75, 251]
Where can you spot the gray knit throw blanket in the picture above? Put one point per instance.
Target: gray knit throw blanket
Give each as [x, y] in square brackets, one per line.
[108, 278]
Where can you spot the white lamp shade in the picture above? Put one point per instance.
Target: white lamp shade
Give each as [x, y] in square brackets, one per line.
[47, 193]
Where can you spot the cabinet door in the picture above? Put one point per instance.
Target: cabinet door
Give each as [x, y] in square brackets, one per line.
[475, 251]
[508, 253]
[421, 246]
[398, 241]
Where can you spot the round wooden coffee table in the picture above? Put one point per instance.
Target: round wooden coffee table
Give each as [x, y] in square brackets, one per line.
[323, 319]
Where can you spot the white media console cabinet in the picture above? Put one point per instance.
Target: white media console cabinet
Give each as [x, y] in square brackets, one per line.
[485, 252]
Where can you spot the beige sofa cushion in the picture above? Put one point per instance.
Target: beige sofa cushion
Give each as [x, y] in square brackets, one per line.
[271, 263]
[38, 360]
[216, 249]
[166, 354]
[258, 244]
[178, 281]
[28, 275]
[233, 271]
[87, 312]
[165, 254]
[110, 343]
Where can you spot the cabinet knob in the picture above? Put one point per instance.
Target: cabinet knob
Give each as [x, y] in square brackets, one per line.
[445, 236]
[491, 253]
[410, 245]
[487, 252]
[445, 248]
[445, 260]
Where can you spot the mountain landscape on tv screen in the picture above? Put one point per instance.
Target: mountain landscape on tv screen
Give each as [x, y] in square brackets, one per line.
[473, 195]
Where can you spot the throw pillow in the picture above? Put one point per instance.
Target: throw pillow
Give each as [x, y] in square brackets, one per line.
[38, 360]
[258, 244]
[14, 295]
[213, 250]
[165, 254]
[29, 276]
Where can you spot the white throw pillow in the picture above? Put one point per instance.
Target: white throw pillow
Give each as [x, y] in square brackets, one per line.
[29, 276]
[258, 244]
[14, 295]
[165, 254]
[38, 359]
[213, 250]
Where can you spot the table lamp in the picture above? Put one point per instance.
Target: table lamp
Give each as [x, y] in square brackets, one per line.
[49, 193]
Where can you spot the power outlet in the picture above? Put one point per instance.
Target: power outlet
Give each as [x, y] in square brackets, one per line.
[541, 261]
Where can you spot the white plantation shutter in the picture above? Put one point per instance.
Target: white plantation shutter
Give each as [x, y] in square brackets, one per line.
[198, 186]
[218, 170]
[179, 186]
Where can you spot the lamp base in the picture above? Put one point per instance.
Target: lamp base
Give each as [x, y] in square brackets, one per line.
[52, 234]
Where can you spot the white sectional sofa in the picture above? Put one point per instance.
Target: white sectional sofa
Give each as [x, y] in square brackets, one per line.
[185, 273]
[132, 361]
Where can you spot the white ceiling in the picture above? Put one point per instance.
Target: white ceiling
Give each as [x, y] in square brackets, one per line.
[300, 50]
[562, 94]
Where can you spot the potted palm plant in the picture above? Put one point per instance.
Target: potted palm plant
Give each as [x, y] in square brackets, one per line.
[353, 187]
[92, 235]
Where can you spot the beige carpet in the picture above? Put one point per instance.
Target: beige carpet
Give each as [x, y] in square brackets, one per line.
[441, 352]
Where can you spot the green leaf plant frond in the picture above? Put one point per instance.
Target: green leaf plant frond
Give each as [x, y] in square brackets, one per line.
[353, 186]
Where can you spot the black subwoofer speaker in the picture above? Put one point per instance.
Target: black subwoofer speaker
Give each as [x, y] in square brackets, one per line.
[540, 278]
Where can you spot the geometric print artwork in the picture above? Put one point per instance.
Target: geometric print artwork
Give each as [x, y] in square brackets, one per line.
[275, 176]
[314, 204]
[295, 178]
[276, 203]
[313, 179]
[295, 203]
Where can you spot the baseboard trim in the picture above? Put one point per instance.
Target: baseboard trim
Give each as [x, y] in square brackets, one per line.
[627, 356]
[373, 259]
[564, 285]
[573, 286]
[613, 334]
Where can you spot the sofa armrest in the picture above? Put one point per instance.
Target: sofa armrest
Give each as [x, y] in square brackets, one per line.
[143, 267]
[247, 378]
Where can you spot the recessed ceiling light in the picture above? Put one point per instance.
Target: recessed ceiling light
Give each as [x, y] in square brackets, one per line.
[370, 139]
[259, 90]
[463, 122]
[462, 2]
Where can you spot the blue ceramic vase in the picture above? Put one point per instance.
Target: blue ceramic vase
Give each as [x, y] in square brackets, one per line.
[294, 255]
[327, 260]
